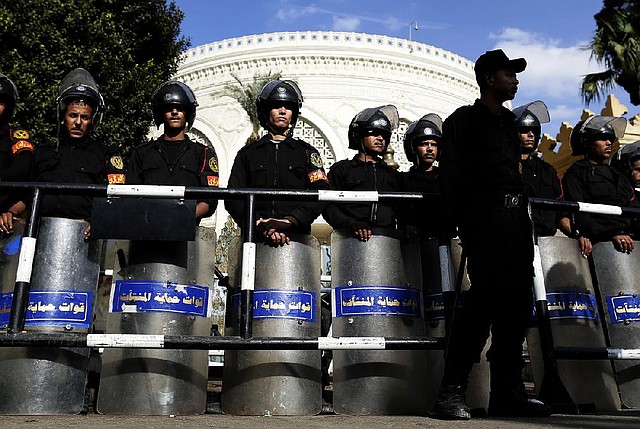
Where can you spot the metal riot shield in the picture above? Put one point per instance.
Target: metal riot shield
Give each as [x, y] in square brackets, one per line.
[477, 393]
[376, 292]
[617, 275]
[575, 322]
[44, 381]
[286, 304]
[161, 288]
[434, 316]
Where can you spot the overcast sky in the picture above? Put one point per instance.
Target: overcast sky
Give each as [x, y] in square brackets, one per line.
[550, 34]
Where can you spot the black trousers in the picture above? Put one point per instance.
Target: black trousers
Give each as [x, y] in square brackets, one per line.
[499, 250]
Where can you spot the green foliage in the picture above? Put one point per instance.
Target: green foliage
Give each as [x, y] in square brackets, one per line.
[130, 47]
[616, 45]
[246, 95]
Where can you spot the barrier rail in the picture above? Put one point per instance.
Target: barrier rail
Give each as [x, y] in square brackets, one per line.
[15, 337]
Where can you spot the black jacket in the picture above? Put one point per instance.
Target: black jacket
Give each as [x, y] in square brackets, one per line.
[356, 175]
[426, 213]
[598, 184]
[16, 162]
[541, 181]
[479, 163]
[288, 164]
[70, 162]
[194, 165]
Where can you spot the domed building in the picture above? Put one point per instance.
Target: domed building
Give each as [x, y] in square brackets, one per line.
[339, 75]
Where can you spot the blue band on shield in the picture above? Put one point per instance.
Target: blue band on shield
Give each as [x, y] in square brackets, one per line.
[282, 304]
[52, 308]
[376, 301]
[144, 296]
[623, 308]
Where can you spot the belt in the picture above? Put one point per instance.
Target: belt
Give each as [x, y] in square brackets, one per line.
[514, 201]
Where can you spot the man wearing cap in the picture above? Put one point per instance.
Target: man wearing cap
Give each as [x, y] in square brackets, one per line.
[483, 197]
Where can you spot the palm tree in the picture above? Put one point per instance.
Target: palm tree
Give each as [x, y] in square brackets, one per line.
[246, 95]
[616, 44]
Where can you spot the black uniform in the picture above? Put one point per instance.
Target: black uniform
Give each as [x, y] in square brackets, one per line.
[541, 181]
[482, 188]
[425, 214]
[286, 164]
[16, 161]
[356, 175]
[598, 184]
[182, 163]
[71, 162]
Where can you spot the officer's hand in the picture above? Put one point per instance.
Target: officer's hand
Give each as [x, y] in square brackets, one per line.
[6, 222]
[361, 230]
[623, 243]
[279, 239]
[269, 226]
[585, 246]
[275, 230]
[87, 232]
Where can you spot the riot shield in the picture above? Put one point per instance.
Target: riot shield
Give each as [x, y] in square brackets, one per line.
[164, 288]
[286, 304]
[376, 292]
[617, 275]
[45, 381]
[575, 322]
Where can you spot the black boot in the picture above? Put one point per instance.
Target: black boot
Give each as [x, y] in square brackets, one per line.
[511, 400]
[451, 404]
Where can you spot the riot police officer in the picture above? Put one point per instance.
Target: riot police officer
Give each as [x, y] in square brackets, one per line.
[483, 197]
[540, 178]
[173, 158]
[77, 157]
[627, 161]
[16, 154]
[420, 144]
[369, 133]
[591, 180]
[279, 161]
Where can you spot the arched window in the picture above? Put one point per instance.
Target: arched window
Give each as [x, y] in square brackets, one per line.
[397, 137]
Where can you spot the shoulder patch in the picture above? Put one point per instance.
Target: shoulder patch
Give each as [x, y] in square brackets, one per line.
[314, 176]
[116, 162]
[213, 164]
[21, 146]
[21, 134]
[316, 159]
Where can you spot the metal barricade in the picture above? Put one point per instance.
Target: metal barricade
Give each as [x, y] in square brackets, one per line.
[45, 381]
[164, 288]
[286, 304]
[376, 292]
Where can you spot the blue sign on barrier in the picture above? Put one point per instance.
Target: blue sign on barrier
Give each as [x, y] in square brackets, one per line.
[623, 308]
[52, 308]
[143, 296]
[434, 307]
[281, 304]
[376, 301]
[571, 305]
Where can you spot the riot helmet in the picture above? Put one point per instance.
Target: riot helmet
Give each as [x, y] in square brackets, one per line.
[384, 119]
[282, 91]
[595, 128]
[429, 127]
[8, 91]
[176, 94]
[624, 158]
[79, 85]
[530, 117]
